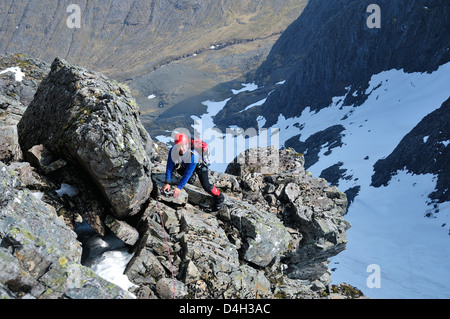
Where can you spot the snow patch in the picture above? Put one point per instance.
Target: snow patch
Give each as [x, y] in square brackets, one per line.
[111, 267]
[19, 75]
[206, 121]
[389, 230]
[108, 256]
[164, 139]
[67, 189]
[247, 87]
[254, 104]
[38, 195]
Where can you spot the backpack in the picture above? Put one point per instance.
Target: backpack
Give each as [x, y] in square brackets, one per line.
[202, 148]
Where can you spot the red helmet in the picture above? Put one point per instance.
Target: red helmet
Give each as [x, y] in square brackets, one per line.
[181, 139]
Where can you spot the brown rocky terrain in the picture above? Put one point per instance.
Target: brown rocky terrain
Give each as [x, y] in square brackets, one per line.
[175, 50]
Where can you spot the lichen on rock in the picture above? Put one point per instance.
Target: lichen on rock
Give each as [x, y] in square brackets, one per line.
[92, 121]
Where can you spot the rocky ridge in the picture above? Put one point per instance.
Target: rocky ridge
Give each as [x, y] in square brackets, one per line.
[272, 239]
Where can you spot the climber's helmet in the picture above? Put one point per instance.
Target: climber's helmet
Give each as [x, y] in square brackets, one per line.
[182, 142]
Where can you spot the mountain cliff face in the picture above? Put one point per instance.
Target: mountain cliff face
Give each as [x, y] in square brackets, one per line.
[422, 151]
[329, 51]
[124, 36]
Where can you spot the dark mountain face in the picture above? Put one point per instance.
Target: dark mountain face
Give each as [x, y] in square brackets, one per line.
[330, 48]
[331, 51]
[424, 150]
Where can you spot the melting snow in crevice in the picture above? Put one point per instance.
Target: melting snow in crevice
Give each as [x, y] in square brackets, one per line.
[107, 256]
[389, 224]
[111, 266]
[67, 189]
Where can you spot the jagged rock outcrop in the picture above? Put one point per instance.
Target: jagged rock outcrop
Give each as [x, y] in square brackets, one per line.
[39, 255]
[280, 226]
[12, 110]
[311, 209]
[272, 239]
[92, 121]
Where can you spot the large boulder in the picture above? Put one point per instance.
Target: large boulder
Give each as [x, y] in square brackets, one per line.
[84, 117]
[265, 239]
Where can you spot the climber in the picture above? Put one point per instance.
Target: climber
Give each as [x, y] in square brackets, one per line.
[189, 162]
